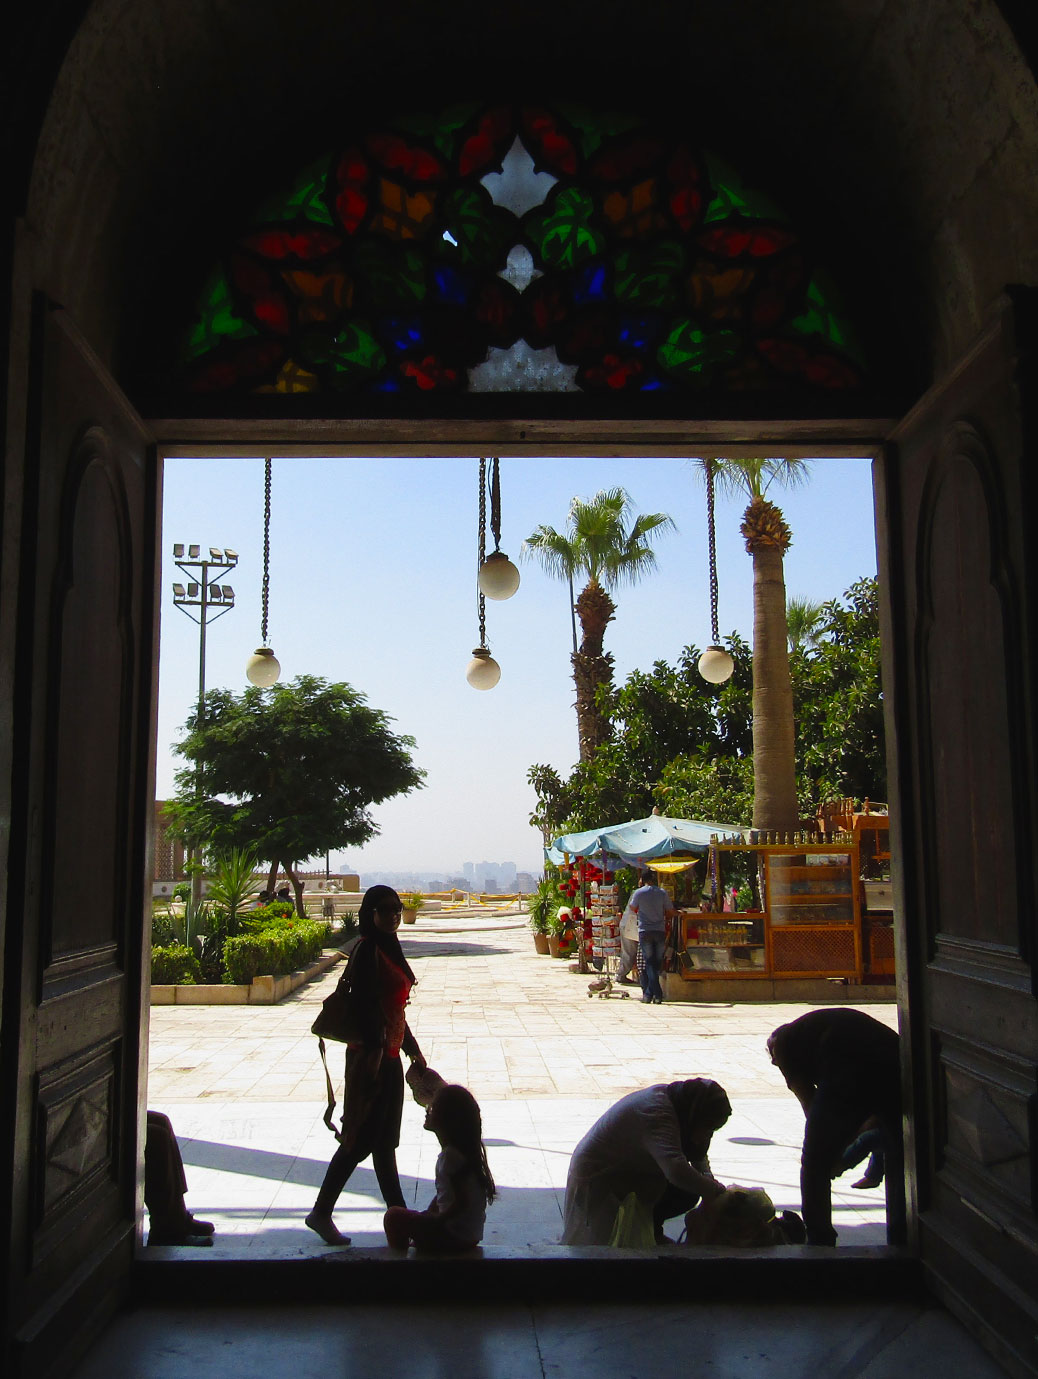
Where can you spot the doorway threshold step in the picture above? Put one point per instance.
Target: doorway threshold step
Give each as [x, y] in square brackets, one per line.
[180, 1276]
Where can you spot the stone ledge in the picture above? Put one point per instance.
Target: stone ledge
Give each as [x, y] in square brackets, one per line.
[773, 990]
[262, 991]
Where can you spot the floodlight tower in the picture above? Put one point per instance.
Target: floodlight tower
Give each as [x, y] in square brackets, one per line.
[203, 599]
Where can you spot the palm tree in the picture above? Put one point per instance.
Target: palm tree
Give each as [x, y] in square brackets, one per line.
[768, 537]
[803, 623]
[607, 546]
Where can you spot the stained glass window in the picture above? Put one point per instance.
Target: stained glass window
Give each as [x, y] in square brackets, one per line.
[529, 248]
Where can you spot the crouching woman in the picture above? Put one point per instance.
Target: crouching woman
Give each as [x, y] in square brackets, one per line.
[652, 1143]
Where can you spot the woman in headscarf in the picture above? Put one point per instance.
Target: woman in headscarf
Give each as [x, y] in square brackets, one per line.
[653, 1143]
[381, 980]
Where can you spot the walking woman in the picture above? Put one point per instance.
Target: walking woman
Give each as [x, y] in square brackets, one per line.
[374, 1097]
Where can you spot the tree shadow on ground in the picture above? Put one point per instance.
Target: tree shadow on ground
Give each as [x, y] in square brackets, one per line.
[432, 949]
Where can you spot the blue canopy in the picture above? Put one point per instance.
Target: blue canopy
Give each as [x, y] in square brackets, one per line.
[641, 840]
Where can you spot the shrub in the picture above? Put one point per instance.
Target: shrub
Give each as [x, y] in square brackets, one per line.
[264, 916]
[163, 927]
[276, 950]
[174, 965]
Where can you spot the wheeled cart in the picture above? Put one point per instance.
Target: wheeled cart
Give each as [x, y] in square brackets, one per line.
[603, 902]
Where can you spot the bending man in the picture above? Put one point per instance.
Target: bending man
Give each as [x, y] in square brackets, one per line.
[844, 1068]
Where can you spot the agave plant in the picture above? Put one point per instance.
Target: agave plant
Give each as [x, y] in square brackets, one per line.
[232, 881]
[219, 916]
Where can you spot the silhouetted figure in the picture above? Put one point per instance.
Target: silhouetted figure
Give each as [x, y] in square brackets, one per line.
[170, 1222]
[373, 1103]
[844, 1068]
[652, 1143]
[455, 1218]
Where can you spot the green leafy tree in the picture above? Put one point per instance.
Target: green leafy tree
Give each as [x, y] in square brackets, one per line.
[656, 716]
[687, 747]
[605, 545]
[290, 772]
[839, 702]
[720, 789]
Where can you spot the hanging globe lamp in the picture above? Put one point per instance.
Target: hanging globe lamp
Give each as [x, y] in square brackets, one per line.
[498, 578]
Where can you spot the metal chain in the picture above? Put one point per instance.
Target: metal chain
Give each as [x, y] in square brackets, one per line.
[495, 502]
[713, 551]
[266, 550]
[480, 600]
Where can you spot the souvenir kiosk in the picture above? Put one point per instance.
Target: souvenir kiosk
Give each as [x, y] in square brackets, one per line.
[799, 915]
[803, 918]
[786, 916]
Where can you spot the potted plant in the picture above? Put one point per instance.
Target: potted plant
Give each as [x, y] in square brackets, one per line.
[412, 903]
[539, 903]
[539, 929]
[560, 933]
[544, 904]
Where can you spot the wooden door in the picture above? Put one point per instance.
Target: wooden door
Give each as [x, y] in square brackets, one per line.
[80, 812]
[959, 570]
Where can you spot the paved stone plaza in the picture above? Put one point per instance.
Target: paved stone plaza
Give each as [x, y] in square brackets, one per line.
[245, 1091]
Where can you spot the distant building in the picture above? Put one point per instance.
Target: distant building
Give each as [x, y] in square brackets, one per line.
[169, 855]
[525, 882]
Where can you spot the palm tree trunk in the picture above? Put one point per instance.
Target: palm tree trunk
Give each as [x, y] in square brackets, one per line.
[590, 671]
[774, 763]
[592, 667]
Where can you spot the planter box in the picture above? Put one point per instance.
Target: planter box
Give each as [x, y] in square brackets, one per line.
[540, 943]
[262, 991]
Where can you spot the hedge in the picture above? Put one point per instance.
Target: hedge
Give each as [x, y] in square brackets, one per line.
[274, 950]
[174, 965]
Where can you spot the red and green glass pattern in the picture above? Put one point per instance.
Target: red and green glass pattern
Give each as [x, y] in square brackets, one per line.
[654, 268]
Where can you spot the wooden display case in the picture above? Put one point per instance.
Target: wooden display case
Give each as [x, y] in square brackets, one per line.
[810, 923]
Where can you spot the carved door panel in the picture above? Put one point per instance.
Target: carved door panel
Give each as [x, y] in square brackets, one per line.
[82, 792]
[958, 563]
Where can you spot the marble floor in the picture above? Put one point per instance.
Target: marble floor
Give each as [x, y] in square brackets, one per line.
[245, 1091]
[614, 1340]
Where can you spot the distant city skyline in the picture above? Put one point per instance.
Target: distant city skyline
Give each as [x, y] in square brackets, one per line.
[509, 879]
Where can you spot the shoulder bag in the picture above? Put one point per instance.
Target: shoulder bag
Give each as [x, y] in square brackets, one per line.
[343, 1019]
[340, 1017]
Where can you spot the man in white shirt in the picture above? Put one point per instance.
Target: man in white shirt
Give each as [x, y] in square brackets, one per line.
[651, 904]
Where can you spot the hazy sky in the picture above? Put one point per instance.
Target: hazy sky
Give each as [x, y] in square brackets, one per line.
[372, 581]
